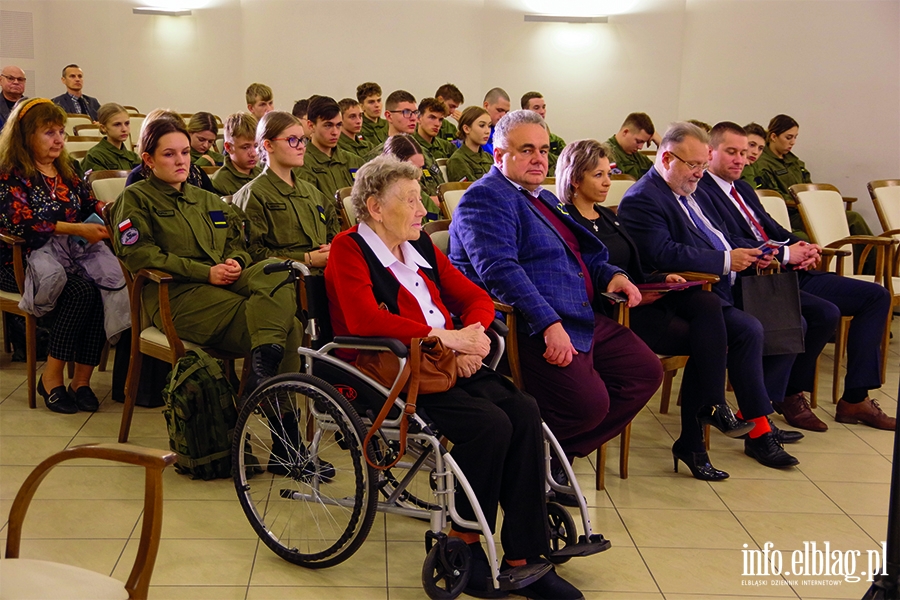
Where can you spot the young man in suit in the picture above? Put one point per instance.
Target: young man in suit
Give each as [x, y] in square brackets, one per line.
[496, 102]
[74, 101]
[589, 374]
[824, 297]
[676, 228]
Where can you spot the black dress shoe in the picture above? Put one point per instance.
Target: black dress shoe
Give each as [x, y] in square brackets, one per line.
[785, 436]
[85, 398]
[698, 463]
[559, 476]
[481, 580]
[722, 418]
[768, 451]
[549, 587]
[58, 400]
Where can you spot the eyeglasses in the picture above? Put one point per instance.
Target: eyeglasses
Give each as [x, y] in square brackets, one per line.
[407, 113]
[692, 166]
[294, 141]
[14, 79]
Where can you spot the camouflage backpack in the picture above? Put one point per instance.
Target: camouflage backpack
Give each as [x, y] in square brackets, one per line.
[200, 413]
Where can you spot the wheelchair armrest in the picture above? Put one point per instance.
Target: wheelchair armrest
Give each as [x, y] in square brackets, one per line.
[500, 328]
[394, 345]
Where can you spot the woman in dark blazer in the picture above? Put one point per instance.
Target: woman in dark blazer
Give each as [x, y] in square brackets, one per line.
[687, 322]
[386, 279]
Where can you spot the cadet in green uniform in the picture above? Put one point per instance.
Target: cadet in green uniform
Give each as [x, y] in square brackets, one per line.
[756, 141]
[288, 217]
[452, 98]
[470, 162]
[405, 148]
[241, 157]
[203, 131]
[111, 154]
[778, 169]
[374, 128]
[432, 116]
[217, 299]
[352, 140]
[325, 165]
[636, 131]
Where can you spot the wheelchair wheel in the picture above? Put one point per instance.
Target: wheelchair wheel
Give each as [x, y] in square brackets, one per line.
[315, 503]
[562, 531]
[447, 567]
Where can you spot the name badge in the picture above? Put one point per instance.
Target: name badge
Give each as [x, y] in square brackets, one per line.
[164, 213]
[781, 172]
[276, 206]
[218, 219]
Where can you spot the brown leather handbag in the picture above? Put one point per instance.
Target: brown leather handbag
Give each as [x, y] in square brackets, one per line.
[431, 368]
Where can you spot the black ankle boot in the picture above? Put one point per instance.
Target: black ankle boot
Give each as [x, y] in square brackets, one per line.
[264, 362]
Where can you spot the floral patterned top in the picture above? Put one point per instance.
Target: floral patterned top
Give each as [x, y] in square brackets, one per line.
[30, 208]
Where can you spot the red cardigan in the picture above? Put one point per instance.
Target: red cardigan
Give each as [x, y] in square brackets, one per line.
[354, 310]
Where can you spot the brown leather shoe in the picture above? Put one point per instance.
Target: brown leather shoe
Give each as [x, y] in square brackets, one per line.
[866, 412]
[797, 413]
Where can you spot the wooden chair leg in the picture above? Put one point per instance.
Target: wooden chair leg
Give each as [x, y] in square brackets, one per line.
[70, 369]
[132, 383]
[840, 346]
[814, 394]
[885, 345]
[7, 343]
[706, 437]
[600, 483]
[624, 448]
[666, 394]
[31, 358]
[104, 357]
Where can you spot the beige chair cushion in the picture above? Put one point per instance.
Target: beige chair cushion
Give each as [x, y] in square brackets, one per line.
[451, 200]
[107, 190]
[441, 239]
[617, 189]
[827, 220]
[11, 296]
[28, 579]
[351, 212]
[777, 209]
[155, 336]
[889, 198]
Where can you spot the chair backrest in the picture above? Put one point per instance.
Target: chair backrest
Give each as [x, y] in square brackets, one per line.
[822, 209]
[620, 183]
[88, 129]
[107, 185]
[450, 194]
[440, 234]
[77, 142]
[885, 195]
[78, 154]
[775, 206]
[72, 120]
[443, 169]
[131, 110]
[137, 121]
[210, 170]
[348, 215]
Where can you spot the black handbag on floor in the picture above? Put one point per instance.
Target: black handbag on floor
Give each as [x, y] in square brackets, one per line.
[775, 301]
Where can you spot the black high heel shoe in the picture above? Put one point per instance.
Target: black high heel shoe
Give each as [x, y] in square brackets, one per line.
[58, 399]
[698, 463]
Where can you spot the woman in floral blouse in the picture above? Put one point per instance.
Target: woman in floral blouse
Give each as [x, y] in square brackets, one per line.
[41, 196]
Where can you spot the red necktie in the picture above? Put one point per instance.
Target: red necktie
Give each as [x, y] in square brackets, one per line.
[749, 215]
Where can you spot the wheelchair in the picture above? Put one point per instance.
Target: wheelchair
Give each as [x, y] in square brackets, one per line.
[317, 508]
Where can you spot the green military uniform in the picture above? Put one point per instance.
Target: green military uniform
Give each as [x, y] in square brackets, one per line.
[286, 220]
[106, 157]
[630, 164]
[749, 174]
[229, 180]
[329, 174]
[438, 148]
[466, 165]
[196, 158]
[375, 132]
[556, 147]
[779, 174]
[184, 233]
[448, 132]
[358, 145]
[432, 177]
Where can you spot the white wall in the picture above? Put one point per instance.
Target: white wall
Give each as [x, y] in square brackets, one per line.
[833, 65]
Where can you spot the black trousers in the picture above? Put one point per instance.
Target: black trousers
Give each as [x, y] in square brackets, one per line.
[76, 324]
[498, 444]
[824, 299]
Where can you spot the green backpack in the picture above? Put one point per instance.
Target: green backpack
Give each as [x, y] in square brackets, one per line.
[201, 415]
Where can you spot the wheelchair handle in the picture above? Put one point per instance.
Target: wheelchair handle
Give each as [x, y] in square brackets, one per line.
[286, 265]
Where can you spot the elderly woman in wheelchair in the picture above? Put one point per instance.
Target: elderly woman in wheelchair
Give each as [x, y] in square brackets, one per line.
[388, 284]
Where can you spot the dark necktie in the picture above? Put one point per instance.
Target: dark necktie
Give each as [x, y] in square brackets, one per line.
[698, 222]
[749, 215]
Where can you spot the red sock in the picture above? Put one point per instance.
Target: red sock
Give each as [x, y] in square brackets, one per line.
[761, 427]
[469, 537]
[516, 563]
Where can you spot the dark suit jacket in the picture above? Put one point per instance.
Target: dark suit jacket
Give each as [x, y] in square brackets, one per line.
[5, 110]
[502, 242]
[68, 105]
[668, 240]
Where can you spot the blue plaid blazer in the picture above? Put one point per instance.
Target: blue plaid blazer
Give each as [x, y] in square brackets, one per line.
[505, 245]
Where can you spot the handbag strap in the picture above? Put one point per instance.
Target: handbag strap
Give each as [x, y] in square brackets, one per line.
[411, 373]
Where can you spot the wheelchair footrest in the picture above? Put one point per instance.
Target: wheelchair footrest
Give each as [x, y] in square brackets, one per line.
[519, 577]
[584, 547]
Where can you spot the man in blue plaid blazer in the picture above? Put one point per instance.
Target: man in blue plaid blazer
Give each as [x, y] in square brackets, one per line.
[590, 375]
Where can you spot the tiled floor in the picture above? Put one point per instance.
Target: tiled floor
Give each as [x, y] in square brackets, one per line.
[673, 537]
